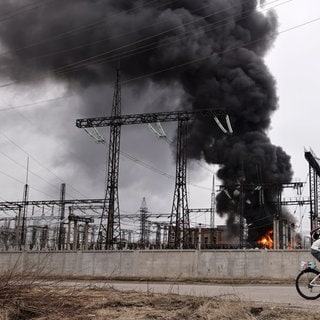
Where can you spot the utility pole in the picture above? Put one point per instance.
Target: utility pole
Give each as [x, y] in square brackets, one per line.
[61, 240]
[143, 223]
[213, 211]
[24, 208]
[24, 217]
[18, 229]
[213, 204]
[276, 221]
[158, 235]
[241, 214]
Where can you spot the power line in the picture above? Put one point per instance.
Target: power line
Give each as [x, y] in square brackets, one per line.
[177, 66]
[160, 71]
[36, 103]
[150, 166]
[22, 182]
[292, 28]
[106, 39]
[23, 9]
[198, 19]
[49, 183]
[38, 162]
[30, 171]
[74, 64]
[85, 27]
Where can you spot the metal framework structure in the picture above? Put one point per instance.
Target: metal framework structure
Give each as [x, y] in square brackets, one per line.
[143, 223]
[130, 119]
[16, 205]
[24, 209]
[110, 232]
[280, 224]
[314, 188]
[180, 200]
[75, 219]
[179, 213]
[279, 202]
[21, 209]
[42, 230]
[61, 240]
[213, 204]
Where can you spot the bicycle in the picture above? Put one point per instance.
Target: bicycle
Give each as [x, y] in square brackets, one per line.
[308, 281]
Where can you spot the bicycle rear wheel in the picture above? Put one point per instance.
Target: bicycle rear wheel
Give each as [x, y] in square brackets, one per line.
[307, 284]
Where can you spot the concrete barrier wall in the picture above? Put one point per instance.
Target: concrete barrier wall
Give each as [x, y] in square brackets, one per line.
[210, 264]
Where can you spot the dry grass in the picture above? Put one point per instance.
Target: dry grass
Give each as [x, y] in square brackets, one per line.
[26, 298]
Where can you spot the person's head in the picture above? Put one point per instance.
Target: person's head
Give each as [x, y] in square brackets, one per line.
[315, 236]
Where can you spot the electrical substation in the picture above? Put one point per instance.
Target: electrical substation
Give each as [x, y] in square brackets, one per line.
[95, 224]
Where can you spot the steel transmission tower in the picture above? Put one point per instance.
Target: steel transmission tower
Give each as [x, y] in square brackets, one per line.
[180, 206]
[144, 223]
[213, 204]
[314, 186]
[109, 232]
[61, 239]
[180, 214]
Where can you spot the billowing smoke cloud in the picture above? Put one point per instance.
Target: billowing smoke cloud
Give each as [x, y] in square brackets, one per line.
[212, 50]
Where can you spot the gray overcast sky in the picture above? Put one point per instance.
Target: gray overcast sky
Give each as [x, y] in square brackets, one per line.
[294, 62]
[41, 131]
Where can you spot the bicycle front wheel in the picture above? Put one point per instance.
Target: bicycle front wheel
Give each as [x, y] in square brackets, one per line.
[308, 284]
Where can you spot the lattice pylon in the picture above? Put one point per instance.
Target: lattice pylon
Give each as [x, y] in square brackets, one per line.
[109, 235]
[179, 221]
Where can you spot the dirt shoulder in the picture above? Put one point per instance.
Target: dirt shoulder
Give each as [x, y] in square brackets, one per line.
[188, 280]
[55, 302]
[39, 299]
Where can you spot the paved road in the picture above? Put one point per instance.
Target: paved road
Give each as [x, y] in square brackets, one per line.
[275, 294]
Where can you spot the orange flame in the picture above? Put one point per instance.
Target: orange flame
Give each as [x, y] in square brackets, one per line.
[267, 241]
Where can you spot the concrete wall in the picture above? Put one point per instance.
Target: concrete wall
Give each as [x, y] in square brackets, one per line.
[210, 264]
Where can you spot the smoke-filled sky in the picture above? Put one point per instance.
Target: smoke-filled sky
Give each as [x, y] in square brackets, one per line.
[58, 61]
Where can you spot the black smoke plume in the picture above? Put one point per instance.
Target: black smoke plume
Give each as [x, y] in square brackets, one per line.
[212, 50]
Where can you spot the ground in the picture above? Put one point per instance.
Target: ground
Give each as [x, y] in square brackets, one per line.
[22, 299]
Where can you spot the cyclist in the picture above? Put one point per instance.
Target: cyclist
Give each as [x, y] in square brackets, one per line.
[315, 247]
